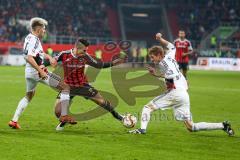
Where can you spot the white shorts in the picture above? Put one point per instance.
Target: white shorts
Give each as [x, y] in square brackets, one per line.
[32, 79]
[176, 99]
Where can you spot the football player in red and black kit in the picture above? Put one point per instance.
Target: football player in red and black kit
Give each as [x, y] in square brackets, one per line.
[73, 63]
[183, 50]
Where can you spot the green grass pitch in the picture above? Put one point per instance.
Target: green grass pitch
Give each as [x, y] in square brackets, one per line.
[215, 96]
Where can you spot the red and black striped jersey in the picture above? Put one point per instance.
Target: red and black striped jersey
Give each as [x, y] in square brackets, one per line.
[74, 67]
[182, 46]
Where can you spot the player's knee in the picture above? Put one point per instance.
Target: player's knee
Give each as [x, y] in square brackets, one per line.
[146, 110]
[30, 95]
[63, 86]
[150, 107]
[104, 102]
[66, 87]
[99, 100]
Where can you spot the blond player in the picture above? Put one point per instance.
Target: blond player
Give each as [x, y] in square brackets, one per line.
[176, 96]
[36, 72]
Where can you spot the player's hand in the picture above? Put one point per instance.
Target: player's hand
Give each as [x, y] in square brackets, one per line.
[151, 70]
[118, 61]
[158, 36]
[53, 62]
[184, 54]
[121, 59]
[43, 74]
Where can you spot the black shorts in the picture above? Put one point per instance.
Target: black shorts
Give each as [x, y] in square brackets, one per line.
[86, 91]
[183, 66]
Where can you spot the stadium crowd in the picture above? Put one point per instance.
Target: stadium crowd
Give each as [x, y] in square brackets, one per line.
[89, 17]
[199, 19]
[85, 17]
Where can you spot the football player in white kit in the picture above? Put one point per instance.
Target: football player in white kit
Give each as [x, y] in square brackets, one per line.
[36, 72]
[176, 95]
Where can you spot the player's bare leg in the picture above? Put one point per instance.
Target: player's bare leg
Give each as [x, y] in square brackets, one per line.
[201, 126]
[20, 108]
[98, 99]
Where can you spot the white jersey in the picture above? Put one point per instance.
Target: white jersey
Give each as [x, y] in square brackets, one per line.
[170, 69]
[32, 46]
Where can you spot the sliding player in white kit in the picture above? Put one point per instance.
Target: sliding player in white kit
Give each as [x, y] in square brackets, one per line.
[36, 72]
[176, 96]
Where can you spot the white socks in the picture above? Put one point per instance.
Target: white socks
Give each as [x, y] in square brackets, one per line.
[206, 126]
[21, 106]
[64, 100]
[146, 114]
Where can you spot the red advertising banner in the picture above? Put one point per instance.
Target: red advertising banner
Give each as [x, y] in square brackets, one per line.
[106, 55]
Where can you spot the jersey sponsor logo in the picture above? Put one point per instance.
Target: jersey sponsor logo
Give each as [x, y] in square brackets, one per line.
[181, 45]
[81, 60]
[68, 60]
[67, 51]
[75, 65]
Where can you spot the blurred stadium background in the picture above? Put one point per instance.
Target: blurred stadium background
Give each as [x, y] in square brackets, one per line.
[212, 26]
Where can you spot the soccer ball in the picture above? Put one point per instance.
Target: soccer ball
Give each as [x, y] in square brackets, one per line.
[129, 120]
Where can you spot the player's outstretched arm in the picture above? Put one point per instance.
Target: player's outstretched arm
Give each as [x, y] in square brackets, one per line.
[100, 64]
[163, 41]
[119, 60]
[171, 48]
[52, 61]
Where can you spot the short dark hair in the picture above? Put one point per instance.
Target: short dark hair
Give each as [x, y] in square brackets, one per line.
[82, 41]
[155, 50]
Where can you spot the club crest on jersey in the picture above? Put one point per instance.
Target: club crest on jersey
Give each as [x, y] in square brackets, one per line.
[80, 60]
[69, 59]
